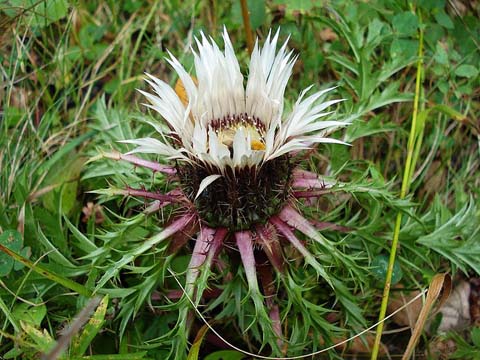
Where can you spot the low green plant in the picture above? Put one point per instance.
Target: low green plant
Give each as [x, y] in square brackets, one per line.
[69, 229]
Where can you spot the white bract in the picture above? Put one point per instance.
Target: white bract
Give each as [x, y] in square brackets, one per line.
[225, 124]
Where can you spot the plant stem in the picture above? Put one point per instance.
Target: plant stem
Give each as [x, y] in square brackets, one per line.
[246, 25]
[407, 176]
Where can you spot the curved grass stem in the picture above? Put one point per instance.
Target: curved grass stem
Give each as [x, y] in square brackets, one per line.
[407, 177]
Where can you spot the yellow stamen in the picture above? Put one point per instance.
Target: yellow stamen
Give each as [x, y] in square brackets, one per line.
[181, 92]
[257, 145]
[226, 136]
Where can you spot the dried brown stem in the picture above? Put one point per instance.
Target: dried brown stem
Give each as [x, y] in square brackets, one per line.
[246, 25]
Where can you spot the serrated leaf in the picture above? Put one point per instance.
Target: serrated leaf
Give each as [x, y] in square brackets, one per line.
[374, 29]
[454, 238]
[476, 336]
[388, 96]
[360, 129]
[131, 255]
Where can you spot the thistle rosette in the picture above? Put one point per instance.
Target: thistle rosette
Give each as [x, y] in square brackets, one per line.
[233, 146]
[235, 156]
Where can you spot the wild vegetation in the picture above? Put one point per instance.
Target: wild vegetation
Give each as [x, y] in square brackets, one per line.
[71, 231]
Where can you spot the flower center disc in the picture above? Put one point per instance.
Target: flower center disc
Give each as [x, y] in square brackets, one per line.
[227, 127]
[242, 197]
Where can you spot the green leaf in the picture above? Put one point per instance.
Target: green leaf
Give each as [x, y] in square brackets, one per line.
[405, 23]
[404, 48]
[132, 5]
[42, 339]
[449, 111]
[257, 12]
[297, 5]
[82, 242]
[30, 314]
[441, 55]
[26, 252]
[465, 89]
[443, 19]
[379, 269]
[63, 177]
[8, 315]
[454, 237]
[434, 34]
[38, 13]
[195, 349]
[90, 34]
[139, 250]
[12, 240]
[375, 125]
[374, 29]
[465, 70]
[13, 353]
[130, 356]
[12, 115]
[476, 336]
[52, 252]
[225, 355]
[112, 85]
[388, 96]
[443, 86]
[431, 4]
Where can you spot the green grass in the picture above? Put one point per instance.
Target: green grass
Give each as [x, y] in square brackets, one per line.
[69, 71]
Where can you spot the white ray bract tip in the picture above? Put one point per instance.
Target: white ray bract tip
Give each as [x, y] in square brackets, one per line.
[205, 182]
[219, 93]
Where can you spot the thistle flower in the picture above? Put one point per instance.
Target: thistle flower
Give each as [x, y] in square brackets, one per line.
[235, 159]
